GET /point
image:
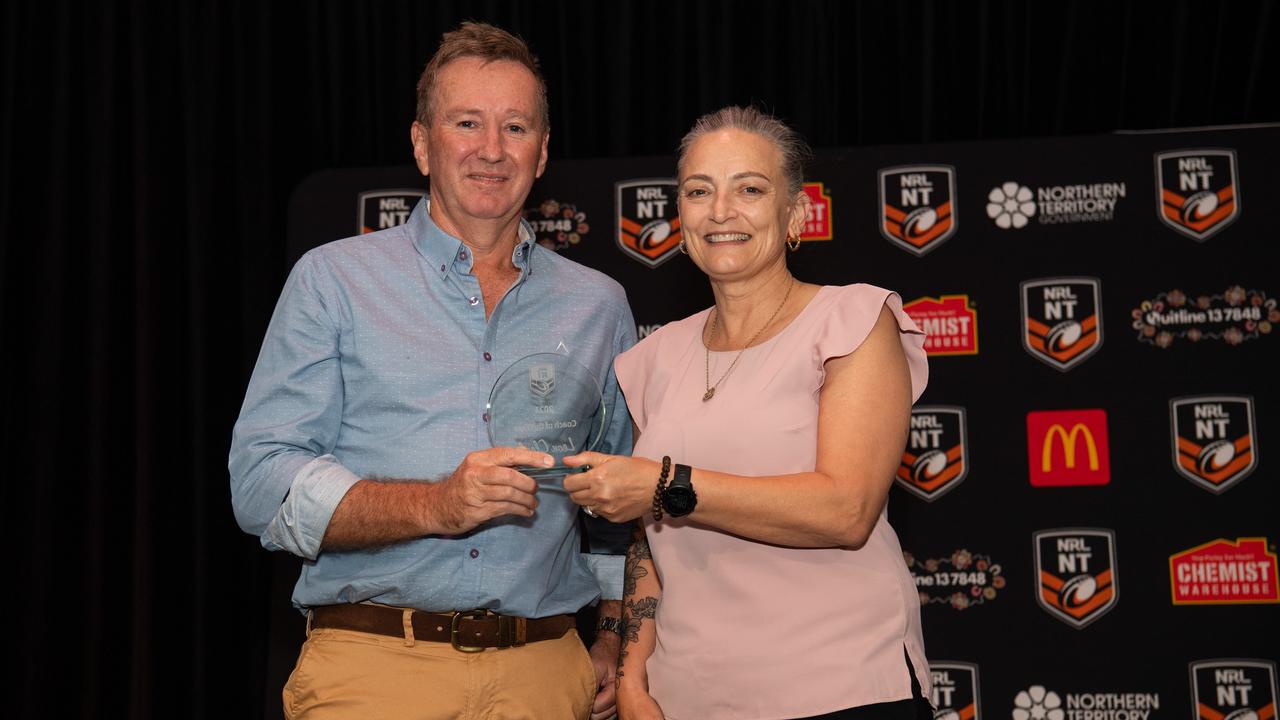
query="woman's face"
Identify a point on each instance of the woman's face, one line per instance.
(735, 209)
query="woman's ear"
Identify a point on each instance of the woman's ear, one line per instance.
(798, 214)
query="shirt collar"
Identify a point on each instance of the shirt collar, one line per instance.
(442, 250)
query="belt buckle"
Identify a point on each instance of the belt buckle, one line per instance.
(512, 631)
(453, 630)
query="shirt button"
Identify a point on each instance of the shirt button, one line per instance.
(474, 553)
(441, 268)
(485, 417)
(487, 356)
(473, 300)
(462, 255)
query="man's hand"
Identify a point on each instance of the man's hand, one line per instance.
(486, 486)
(604, 658)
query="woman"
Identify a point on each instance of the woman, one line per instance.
(780, 415)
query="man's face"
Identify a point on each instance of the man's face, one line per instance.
(485, 145)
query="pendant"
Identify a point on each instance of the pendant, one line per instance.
(711, 392)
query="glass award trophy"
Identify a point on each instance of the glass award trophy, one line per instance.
(547, 402)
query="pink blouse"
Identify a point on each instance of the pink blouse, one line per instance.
(748, 629)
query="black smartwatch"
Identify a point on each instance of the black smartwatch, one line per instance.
(679, 499)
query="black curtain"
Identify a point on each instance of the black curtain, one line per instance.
(147, 155)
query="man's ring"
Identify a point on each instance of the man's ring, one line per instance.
(589, 512)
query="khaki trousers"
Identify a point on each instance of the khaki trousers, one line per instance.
(348, 674)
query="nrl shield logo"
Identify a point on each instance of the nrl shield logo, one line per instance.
(955, 690)
(1198, 191)
(648, 222)
(918, 206)
(381, 209)
(936, 459)
(1062, 320)
(1214, 442)
(542, 381)
(1077, 571)
(1233, 689)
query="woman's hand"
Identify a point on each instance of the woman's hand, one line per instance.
(616, 488)
(635, 703)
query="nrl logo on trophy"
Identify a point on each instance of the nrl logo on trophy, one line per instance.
(542, 382)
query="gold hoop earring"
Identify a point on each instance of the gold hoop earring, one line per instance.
(793, 243)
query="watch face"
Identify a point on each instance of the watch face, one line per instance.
(679, 500)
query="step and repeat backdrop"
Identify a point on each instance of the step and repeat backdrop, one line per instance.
(1085, 500)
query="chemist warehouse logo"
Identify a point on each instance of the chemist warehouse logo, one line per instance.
(1040, 703)
(937, 456)
(1078, 575)
(917, 205)
(381, 209)
(955, 690)
(648, 222)
(1197, 191)
(1214, 443)
(1233, 689)
(1062, 320)
(1223, 572)
(949, 323)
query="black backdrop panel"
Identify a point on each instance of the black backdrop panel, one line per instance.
(1095, 623)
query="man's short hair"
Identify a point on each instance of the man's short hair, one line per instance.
(489, 43)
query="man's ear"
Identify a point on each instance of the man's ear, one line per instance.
(542, 160)
(418, 136)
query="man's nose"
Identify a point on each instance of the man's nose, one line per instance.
(491, 148)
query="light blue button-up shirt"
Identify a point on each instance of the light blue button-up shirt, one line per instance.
(378, 363)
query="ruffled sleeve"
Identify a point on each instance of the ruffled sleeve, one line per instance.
(632, 369)
(854, 313)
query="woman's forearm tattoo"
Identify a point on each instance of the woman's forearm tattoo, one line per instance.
(635, 610)
(639, 550)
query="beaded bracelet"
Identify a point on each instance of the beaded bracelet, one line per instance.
(661, 488)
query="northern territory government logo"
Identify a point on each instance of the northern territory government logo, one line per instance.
(1068, 447)
(381, 209)
(1077, 573)
(949, 322)
(955, 690)
(917, 206)
(1041, 703)
(1233, 316)
(1197, 191)
(963, 580)
(1011, 205)
(648, 221)
(557, 225)
(1062, 320)
(817, 220)
(1215, 442)
(1223, 572)
(936, 459)
(1234, 689)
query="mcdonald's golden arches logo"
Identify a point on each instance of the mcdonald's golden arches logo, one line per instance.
(1068, 447)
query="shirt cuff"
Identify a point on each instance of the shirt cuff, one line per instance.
(608, 572)
(300, 523)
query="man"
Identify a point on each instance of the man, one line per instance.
(362, 445)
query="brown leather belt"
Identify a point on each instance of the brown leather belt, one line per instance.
(467, 631)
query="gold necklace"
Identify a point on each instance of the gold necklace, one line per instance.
(711, 389)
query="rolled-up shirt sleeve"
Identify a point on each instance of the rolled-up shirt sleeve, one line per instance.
(606, 540)
(285, 483)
